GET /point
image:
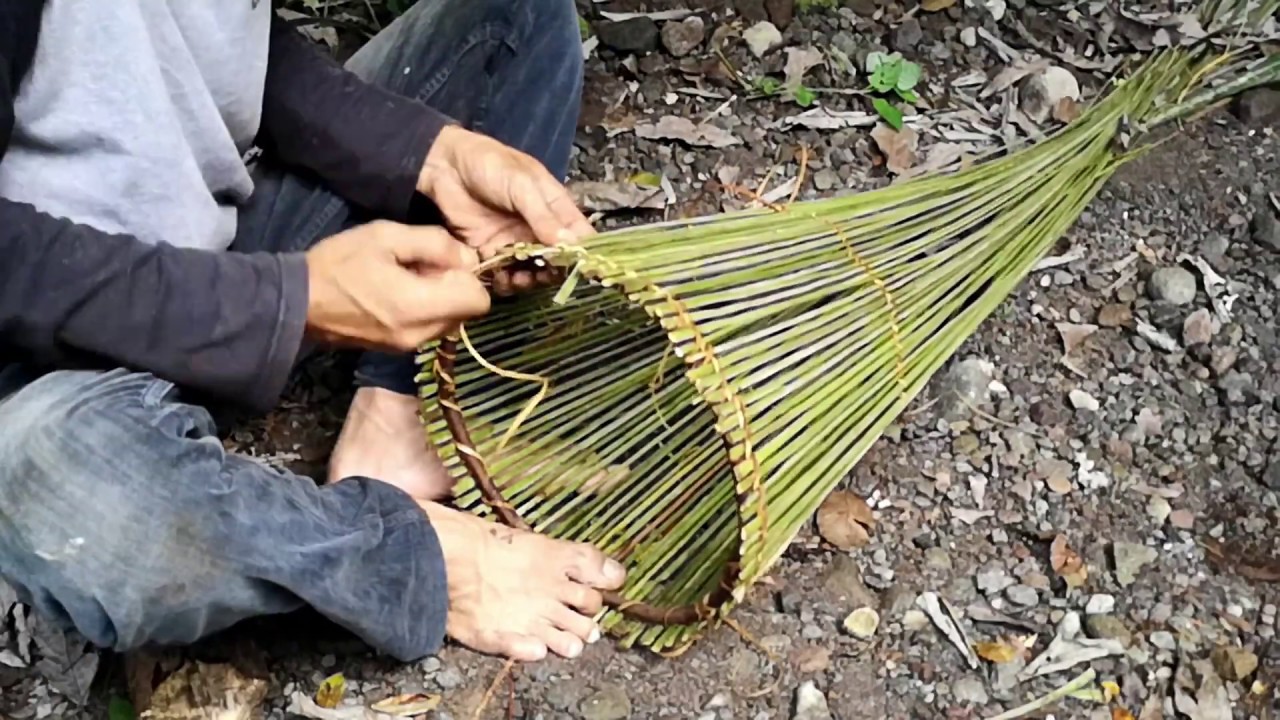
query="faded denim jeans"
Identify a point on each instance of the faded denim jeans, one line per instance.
(121, 515)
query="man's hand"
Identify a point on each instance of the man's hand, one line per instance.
(388, 286)
(492, 196)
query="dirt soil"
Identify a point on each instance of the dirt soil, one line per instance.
(1159, 468)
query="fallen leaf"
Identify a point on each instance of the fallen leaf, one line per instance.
(1067, 563)
(1067, 110)
(671, 127)
(1064, 654)
(1121, 714)
(998, 652)
(1110, 690)
(593, 196)
(820, 118)
(199, 691)
(799, 61)
(844, 520)
(948, 621)
(409, 705)
(936, 5)
(331, 691)
(1074, 335)
(969, 516)
(898, 146)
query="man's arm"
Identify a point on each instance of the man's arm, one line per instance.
(223, 323)
(365, 143)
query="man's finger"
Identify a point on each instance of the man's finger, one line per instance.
(448, 295)
(527, 197)
(429, 245)
(566, 211)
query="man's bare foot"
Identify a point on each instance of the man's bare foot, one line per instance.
(382, 438)
(519, 594)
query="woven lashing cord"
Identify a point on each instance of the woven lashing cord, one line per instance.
(701, 611)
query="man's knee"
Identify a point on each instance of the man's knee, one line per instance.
(87, 501)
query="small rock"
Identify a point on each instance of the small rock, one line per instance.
(1223, 359)
(1260, 107)
(1271, 476)
(864, 8)
(1182, 519)
(993, 579)
(966, 385)
(825, 179)
(812, 659)
(1158, 508)
(1164, 640)
(1115, 315)
(1173, 285)
(970, 689)
(937, 558)
(1046, 413)
(1232, 663)
(908, 35)
(969, 37)
(449, 678)
(1236, 387)
(1100, 604)
(1023, 595)
(844, 582)
(609, 703)
(1197, 329)
(1082, 400)
(862, 623)
(634, 35)
(1040, 93)
(811, 704)
(1266, 229)
(1107, 627)
(682, 38)
(1129, 559)
(914, 620)
(761, 38)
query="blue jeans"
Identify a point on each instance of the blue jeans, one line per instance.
(121, 515)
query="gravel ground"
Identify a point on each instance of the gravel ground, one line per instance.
(1156, 469)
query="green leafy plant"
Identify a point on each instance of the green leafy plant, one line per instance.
(120, 709)
(769, 86)
(892, 75)
(584, 27)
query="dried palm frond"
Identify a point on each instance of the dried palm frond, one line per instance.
(702, 385)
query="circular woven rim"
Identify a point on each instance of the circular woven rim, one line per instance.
(595, 269)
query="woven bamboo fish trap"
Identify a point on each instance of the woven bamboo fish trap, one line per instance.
(702, 385)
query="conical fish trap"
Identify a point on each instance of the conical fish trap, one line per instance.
(707, 383)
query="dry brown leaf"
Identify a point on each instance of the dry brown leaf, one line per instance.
(206, 692)
(898, 146)
(410, 705)
(936, 5)
(1121, 714)
(845, 520)
(1067, 563)
(998, 652)
(1067, 110)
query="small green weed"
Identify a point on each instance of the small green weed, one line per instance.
(892, 74)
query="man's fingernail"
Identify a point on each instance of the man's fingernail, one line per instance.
(614, 570)
(575, 650)
(594, 637)
(565, 235)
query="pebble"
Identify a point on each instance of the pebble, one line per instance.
(449, 678)
(1107, 627)
(1129, 559)
(908, 35)
(1159, 509)
(1197, 329)
(761, 38)
(1023, 595)
(825, 179)
(969, 37)
(915, 620)
(608, 703)
(1236, 388)
(937, 558)
(633, 35)
(811, 704)
(970, 689)
(992, 579)
(1265, 228)
(1115, 315)
(1164, 640)
(1260, 106)
(1174, 285)
(1082, 400)
(1100, 604)
(751, 10)
(683, 37)
(966, 385)
(1182, 519)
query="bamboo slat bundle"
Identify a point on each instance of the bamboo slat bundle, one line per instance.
(710, 381)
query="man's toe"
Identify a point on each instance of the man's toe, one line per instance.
(589, 566)
(562, 643)
(573, 622)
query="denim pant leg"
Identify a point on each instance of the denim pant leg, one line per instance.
(509, 68)
(121, 516)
